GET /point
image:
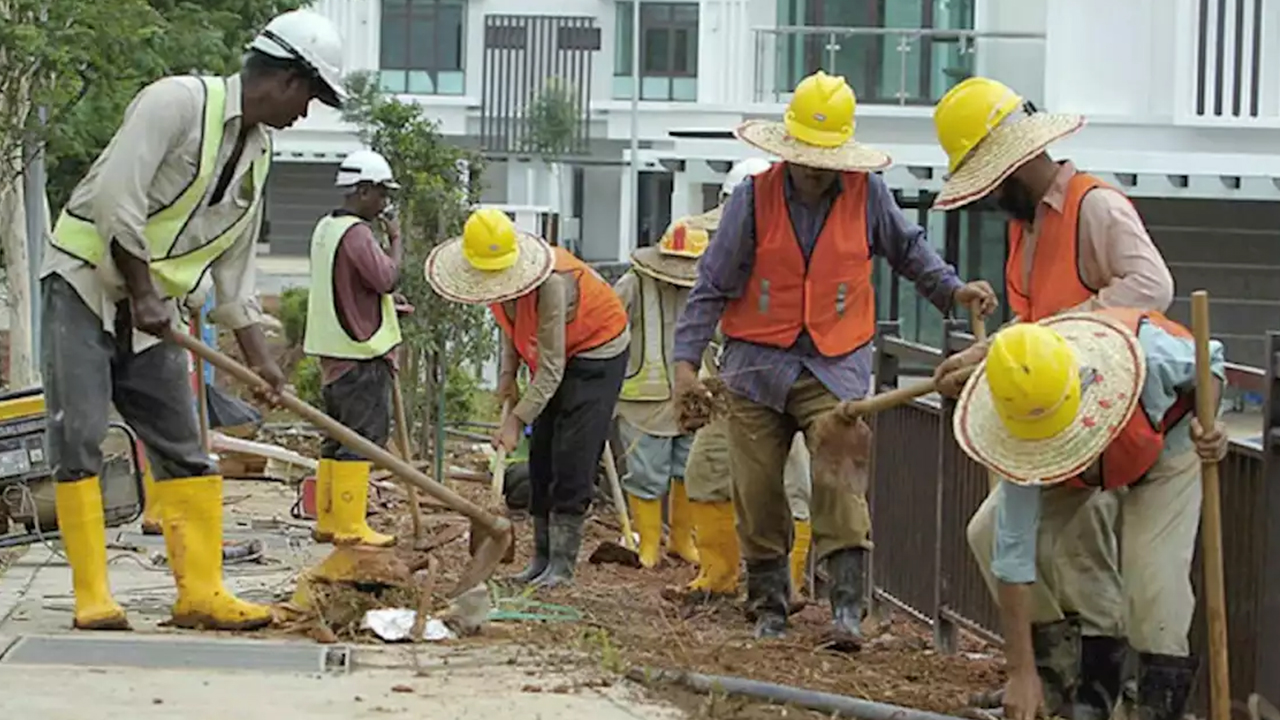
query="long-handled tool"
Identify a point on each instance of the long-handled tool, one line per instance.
(1211, 518)
(402, 439)
(496, 530)
(497, 484)
(627, 554)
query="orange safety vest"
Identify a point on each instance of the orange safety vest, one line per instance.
(598, 318)
(831, 297)
(1133, 452)
(1051, 287)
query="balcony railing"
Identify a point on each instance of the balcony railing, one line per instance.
(889, 65)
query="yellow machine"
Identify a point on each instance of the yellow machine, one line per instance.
(27, 511)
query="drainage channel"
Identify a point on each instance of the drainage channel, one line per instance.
(177, 654)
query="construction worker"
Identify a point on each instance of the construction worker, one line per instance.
(707, 476)
(564, 321)
(1082, 401)
(175, 194)
(788, 280)
(1075, 243)
(352, 326)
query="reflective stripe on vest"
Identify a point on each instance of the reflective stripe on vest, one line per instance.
(1054, 283)
(647, 379)
(600, 315)
(830, 296)
(325, 334)
(1137, 448)
(177, 275)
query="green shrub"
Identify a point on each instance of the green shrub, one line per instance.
(306, 380)
(293, 314)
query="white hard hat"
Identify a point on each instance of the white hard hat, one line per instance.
(310, 38)
(742, 170)
(365, 166)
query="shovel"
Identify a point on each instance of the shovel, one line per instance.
(495, 531)
(402, 439)
(496, 484)
(611, 552)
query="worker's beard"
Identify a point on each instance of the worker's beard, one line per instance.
(1014, 198)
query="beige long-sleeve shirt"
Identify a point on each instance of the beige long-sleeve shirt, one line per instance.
(152, 158)
(557, 307)
(653, 418)
(1116, 254)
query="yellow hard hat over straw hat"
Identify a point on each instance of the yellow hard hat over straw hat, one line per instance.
(493, 261)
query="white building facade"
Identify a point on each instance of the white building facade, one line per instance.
(1183, 99)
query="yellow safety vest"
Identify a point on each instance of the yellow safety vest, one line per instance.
(177, 275)
(325, 335)
(647, 379)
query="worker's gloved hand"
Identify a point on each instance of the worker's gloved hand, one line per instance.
(1023, 696)
(949, 377)
(1211, 446)
(978, 291)
(507, 436)
(150, 314)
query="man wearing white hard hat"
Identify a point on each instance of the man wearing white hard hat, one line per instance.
(352, 327)
(707, 474)
(566, 324)
(1076, 403)
(176, 194)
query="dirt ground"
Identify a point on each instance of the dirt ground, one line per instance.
(626, 623)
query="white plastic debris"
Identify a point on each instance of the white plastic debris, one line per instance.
(396, 625)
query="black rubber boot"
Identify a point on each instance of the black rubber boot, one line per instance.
(1056, 647)
(1102, 666)
(541, 553)
(565, 540)
(848, 570)
(768, 586)
(1162, 687)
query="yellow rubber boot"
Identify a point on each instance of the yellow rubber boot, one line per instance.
(680, 543)
(646, 516)
(323, 531)
(800, 555)
(349, 488)
(193, 537)
(84, 538)
(718, 547)
(151, 516)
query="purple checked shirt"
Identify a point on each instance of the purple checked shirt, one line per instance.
(766, 374)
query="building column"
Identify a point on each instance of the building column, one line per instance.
(626, 223)
(683, 204)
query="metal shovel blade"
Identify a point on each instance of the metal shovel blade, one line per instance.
(488, 555)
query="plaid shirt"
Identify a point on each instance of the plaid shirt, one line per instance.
(766, 374)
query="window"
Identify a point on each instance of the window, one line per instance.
(668, 51)
(888, 68)
(422, 47)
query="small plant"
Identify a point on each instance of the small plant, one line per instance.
(552, 120)
(293, 314)
(306, 381)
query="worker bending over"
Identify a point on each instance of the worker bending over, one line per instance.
(352, 326)
(175, 194)
(788, 279)
(1075, 243)
(562, 320)
(1083, 401)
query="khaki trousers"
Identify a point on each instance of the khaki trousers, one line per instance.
(760, 441)
(708, 478)
(1149, 596)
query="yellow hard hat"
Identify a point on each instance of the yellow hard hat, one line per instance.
(821, 111)
(1034, 379)
(968, 113)
(489, 240)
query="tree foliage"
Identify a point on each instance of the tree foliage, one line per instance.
(439, 182)
(87, 59)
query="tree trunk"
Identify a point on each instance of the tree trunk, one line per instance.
(22, 366)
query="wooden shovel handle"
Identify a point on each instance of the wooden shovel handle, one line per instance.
(499, 479)
(977, 321)
(379, 456)
(890, 399)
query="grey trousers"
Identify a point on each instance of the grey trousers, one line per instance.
(86, 370)
(361, 400)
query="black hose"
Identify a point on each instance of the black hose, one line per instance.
(835, 705)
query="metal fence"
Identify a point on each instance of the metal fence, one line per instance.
(925, 490)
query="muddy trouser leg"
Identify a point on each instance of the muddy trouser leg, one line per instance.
(584, 406)
(361, 400)
(1075, 566)
(707, 476)
(758, 440)
(1161, 520)
(153, 394)
(649, 469)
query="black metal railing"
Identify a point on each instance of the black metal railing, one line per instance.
(925, 490)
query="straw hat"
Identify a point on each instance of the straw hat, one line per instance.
(492, 262)
(1112, 369)
(675, 258)
(817, 129)
(988, 131)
